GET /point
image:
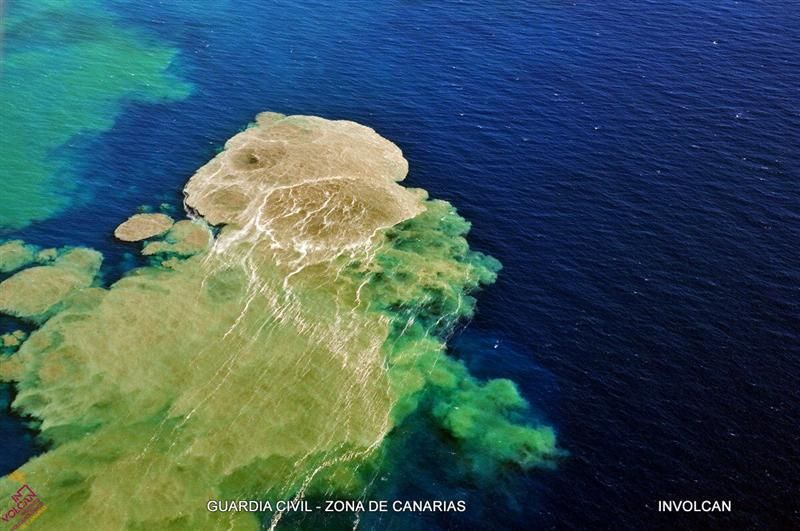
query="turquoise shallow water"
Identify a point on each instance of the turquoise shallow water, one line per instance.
(633, 167)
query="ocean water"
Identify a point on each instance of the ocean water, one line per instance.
(633, 166)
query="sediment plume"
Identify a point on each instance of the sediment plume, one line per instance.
(143, 226)
(269, 361)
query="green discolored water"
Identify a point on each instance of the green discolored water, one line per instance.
(67, 68)
(268, 362)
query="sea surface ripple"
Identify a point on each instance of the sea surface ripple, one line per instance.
(635, 168)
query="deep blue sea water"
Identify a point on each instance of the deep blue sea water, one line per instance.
(634, 166)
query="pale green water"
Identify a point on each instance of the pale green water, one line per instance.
(269, 363)
(67, 68)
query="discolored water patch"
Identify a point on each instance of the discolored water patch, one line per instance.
(68, 68)
(270, 361)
